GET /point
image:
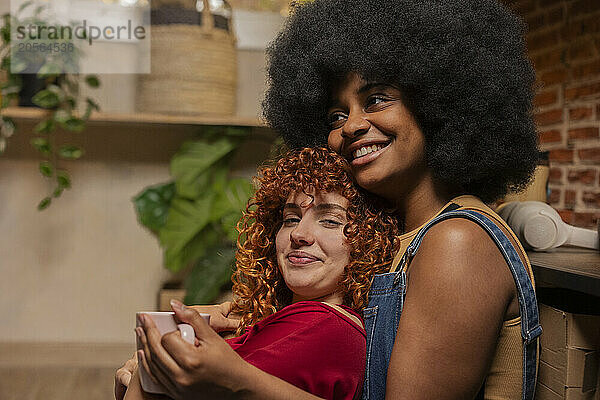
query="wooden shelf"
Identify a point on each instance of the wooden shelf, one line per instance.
(569, 268)
(34, 114)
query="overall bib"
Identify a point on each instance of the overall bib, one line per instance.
(386, 300)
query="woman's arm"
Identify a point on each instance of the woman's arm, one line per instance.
(135, 391)
(211, 368)
(221, 320)
(459, 288)
(123, 377)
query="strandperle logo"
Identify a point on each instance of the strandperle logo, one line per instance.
(75, 36)
(81, 31)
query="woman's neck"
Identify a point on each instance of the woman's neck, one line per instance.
(333, 298)
(420, 204)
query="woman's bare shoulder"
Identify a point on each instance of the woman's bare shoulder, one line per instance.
(458, 249)
(457, 294)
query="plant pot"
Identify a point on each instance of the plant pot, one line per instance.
(170, 291)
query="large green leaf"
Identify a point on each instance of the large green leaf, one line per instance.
(191, 165)
(152, 205)
(186, 218)
(195, 249)
(209, 274)
(230, 203)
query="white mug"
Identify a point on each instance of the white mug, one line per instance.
(165, 323)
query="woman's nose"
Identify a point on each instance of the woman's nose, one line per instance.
(302, 235)
(355, 125)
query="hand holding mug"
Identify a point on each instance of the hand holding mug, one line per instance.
(221, 318)
(164, 323)
(186, 370)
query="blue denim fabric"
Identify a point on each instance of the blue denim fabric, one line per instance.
(386, 300)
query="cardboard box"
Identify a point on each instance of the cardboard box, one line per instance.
(544, 393)
(570, 355)
(580, 371)
(568, 330)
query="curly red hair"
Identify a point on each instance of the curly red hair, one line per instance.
(371, 232)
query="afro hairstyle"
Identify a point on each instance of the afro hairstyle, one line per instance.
(461, 66)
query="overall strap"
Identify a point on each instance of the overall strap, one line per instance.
(345, 313)
(530, 325)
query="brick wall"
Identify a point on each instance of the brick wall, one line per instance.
(564, 45)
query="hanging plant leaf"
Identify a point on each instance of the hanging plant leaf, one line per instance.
(46, 126)
(70, 100)
(17, 66)
(61, 116)
(46, 168)
(63, 179)
(44, 203)
(152, 205)
(46, 99)
(70, 152)
(5, 63)
(5, 30)
(74, 124)
(92, 81)
(39, 9)
(8, 127)
(24, 5)
(57, 192)
(90, 105)
(49, 70)
(42, 145)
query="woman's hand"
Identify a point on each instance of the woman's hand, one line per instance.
(210, 369)
(185, 370)
(221, 318)
(123, 377)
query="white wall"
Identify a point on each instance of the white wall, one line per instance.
(79, 270)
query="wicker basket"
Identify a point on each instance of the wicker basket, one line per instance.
(193, 69)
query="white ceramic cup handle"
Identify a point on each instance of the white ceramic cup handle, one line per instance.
(187, 333)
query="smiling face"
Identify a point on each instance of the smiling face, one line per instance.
(371, 127)
(311, 247)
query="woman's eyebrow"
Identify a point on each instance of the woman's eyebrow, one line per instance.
(372, 85)
(329, 207)
(319, 207)
(291, 205)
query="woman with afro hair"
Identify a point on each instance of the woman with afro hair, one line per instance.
(310, 242)
(430, 101)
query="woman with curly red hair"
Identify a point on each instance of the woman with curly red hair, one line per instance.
(310, 243)
(258, 285)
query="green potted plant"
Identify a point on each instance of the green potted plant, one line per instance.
(34, 79)
(195, 215)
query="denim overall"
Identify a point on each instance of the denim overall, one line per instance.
(386, 300)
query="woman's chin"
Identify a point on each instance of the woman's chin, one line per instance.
(369, 181)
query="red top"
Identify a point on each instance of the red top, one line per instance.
(309, 345)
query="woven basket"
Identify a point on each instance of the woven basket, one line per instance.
(193, 69)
